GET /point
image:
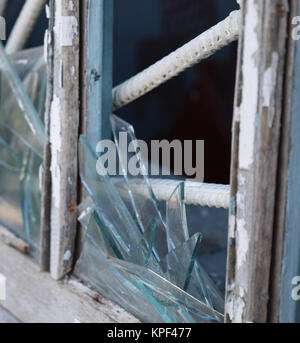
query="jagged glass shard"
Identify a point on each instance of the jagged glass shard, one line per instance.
(179, 263)
(19, 188)
(10, 187)
(197, 282)
(111, 215)
(27, 61)
(21, 147)
(195, 310)
(142, 203)
(17, 110)
(127, 226)
(210, 291)
(115, 219)
(94, 268)
(35, 83)
(177, 229)
(143, 254)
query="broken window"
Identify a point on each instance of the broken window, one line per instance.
(22, 98)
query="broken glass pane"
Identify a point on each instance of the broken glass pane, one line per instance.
(94, 268)
(21, 143)
(116, 220)
(17, 110)
(144, 206)
(127, 226)
(171, 294)
(173, 228)
(148, 303)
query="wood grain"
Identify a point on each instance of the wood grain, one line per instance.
(64, 126)
(34, 297)
(257, 119)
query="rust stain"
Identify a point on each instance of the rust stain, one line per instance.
(280, 10)
(25, 249)
(97, 298)
(72, 208)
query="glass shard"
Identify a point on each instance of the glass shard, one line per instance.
(152, 253)
(174, 295)
(94, 268)
(143, 205)
(116, 220)
(21, 145)
(17, 110)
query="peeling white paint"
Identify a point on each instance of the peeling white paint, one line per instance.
(67, 255)
(240, 307)
(249, 101)
(65, 27)
(269, 84)
(61, 74)
(55, 170)
(73, 70)
(56, 144)
(71, 5)
(58, 14)
(55, 127)
(69, 29)
(242, 237)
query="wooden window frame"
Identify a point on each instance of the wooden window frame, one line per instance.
(263, 234)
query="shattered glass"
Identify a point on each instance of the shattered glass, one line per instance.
(134, 253)
(22, 97)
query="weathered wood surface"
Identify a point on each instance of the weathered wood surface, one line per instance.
(277, 277)
(288, 238)
(34, 297)
(10, 239)
(256, 134)
(45, 232)
(98, 70)
(64, 126)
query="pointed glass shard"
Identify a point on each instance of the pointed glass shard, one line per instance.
(94, 268)
(197, 281)
(183, 303)
(132, 231)
(142, 202)
(19, 189)
(17, 111)
(177, 229)
(113, 214)
(21, 149)
(179, 263)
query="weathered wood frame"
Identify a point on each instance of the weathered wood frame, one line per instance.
(49, 301)
(79, 101)
(263, 244)
(286, 250)
(64, 128)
